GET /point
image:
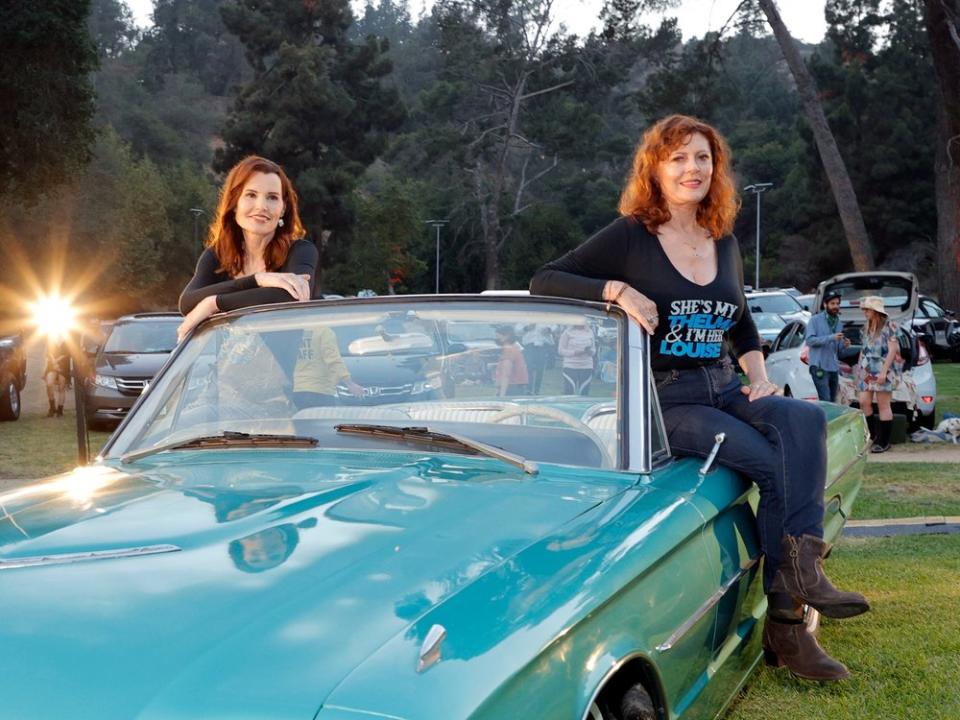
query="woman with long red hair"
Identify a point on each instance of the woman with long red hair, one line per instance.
(256, 252)
(672, 254)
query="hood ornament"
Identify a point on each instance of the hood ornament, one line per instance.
(430, 649)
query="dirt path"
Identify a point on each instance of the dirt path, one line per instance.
(919, 453)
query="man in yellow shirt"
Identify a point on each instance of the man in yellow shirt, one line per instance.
(320, 369)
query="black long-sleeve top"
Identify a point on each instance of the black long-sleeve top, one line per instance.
(233, 293)
(695, 320)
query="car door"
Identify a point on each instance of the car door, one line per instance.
(937, 321)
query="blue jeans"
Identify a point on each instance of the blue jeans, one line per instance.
(827, 383)
(778, 443)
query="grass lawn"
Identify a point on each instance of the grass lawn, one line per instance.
(903, 653)
(910, 489)
(948, 388)
(36, 446)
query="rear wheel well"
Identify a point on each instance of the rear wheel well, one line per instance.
(637, 671)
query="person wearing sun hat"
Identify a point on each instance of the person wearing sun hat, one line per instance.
(877, 370)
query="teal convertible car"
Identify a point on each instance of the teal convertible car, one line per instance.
(250, 545)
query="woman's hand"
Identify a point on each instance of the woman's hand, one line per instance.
(881, 377)
(204, 309)
(754, 365)
(297, 285)
(638, 306)
(759, 389)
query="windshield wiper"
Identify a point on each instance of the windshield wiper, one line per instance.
(426, 435)
(227, 438)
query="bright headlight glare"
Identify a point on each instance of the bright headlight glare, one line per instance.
(105, 381)
(53, 316)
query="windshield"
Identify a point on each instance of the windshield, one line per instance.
(143, 336)
(779, 303)
(538, 380)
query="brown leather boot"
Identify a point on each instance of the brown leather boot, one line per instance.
(788, 644)
(801, 574)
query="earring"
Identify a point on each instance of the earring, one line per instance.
(280, 223)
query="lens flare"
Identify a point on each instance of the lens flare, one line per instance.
(54, 316)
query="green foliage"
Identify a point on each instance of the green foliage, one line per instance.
(189, 38)
(46, 95)
(380, 256)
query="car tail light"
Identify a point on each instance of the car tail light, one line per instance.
(927, 398)
(923, 357)
(805, 355)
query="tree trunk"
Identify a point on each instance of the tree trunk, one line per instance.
(943, 29)
(833, 165)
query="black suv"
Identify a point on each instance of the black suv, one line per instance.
(136, 348)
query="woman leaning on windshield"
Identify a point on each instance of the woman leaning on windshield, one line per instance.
(671, 255)
(255, 250)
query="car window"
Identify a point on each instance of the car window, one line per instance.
(931, 309)
(791, 336)
(536, 380)
(142, 336)
(779, 303)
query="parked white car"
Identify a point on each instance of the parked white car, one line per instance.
(917, 393)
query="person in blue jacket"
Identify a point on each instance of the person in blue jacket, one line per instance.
(825, 339)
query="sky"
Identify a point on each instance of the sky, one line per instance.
(804, 18)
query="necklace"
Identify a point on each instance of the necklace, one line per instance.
(693, 249)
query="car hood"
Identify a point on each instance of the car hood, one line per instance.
(853, 286)
(274, 573)
(131, 364)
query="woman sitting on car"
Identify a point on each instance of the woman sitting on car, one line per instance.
(877, 371)
(671, 255)
(255, 251)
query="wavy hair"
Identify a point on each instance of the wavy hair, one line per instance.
(642, 197)
(225, 237)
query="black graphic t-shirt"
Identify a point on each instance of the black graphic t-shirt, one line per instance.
(695, 320)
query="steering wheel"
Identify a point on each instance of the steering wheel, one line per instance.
(607, 460)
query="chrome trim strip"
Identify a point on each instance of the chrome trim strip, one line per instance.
(705, 608)
(848, 467)
(65, 558)
(638, 399)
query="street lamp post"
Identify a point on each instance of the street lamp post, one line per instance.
(437, 224)
(197, 212)
(757, 189)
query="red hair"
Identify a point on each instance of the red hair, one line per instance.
(226, 237)
(642, 197)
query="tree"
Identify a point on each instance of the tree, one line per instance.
(380, 256)
(943, 29)
(111, 28)
(46, 94)
(189, 38)
(833, 164)
(316, 103)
